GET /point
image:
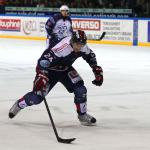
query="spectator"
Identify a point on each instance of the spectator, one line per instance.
(101, 4)
(41, 4)
(2, 6)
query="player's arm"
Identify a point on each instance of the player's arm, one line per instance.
(90, 57)
(49, 26)
(71, 29)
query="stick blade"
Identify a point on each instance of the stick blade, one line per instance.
(67, 141)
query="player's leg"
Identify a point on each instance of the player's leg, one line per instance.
(74, 83)
(41, 84)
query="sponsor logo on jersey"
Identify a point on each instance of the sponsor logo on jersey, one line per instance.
(149, 31)
(10, 25)
(86, 24)
(61, 48)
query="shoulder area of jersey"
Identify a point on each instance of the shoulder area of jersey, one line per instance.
(63, 44)
(57, 16)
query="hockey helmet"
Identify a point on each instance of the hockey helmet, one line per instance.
(79, 36)
(64, 7)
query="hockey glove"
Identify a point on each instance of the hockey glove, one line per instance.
(98, 72)
(40, 81)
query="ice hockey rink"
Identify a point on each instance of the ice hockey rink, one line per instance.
(121, 106)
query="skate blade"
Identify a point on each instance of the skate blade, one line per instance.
(88, 124)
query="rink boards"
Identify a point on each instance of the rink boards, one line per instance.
(118, 31)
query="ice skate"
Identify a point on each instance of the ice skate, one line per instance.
(87, 120)
(14, 110)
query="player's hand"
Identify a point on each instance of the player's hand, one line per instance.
(98, 72)
(40, 82)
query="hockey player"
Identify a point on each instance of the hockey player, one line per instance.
(59, 26)
(55, 65)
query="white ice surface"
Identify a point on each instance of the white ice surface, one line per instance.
(121, 105)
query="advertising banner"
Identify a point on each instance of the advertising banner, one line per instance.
(149, 31)
(33, 27)
(24, 27)
(40, 11)
(85, 24)
(118, 31)
(10, 25)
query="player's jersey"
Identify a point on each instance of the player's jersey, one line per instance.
(61, 56)
(58, 27)
(63, 48)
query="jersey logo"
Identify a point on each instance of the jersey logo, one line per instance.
(61, 48)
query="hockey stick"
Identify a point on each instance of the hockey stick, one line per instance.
(59, 139)
(101, 37)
